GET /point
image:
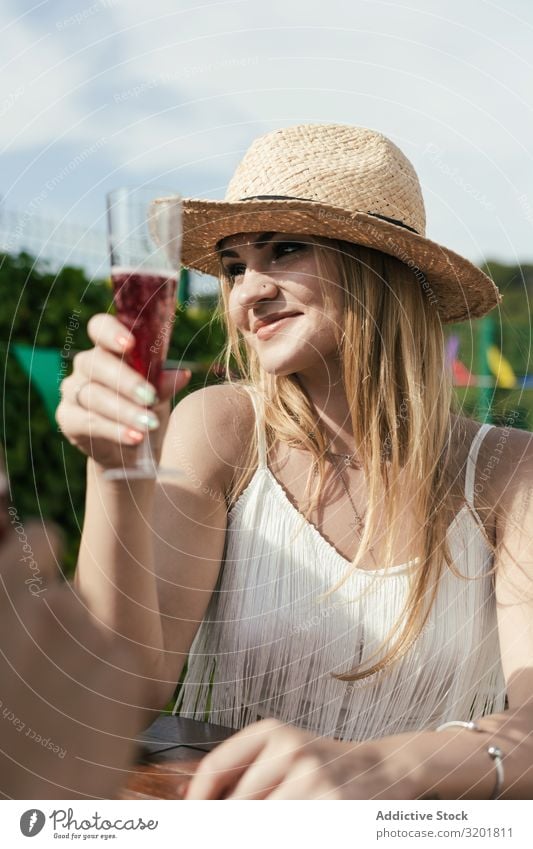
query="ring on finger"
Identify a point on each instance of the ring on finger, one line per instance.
(78, 391)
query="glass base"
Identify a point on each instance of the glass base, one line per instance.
(144, 468)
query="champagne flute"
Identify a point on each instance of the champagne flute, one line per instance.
(145, 247)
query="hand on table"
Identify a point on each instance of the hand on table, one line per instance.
(271, 760)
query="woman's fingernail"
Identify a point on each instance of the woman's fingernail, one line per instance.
(145, 393)
(123, 341)
(134, 435)
(148, 420)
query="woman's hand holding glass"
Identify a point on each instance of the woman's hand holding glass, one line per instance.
(107, 408)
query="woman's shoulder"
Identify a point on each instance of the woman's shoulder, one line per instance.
(504, 461)
(215, 422)
(507, 457)
(233, 396)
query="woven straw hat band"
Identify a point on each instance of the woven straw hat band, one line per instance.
(352, 168)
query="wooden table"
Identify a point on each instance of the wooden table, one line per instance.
(170, 751)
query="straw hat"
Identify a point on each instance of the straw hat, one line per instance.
(342, 182)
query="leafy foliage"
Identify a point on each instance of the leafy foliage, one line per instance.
(47, 475)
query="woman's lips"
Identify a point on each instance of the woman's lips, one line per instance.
(268, 330)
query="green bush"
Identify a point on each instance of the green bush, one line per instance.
(47, 475)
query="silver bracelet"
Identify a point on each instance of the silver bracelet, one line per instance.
(494, 752)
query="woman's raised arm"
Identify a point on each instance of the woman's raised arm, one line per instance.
(116, 566)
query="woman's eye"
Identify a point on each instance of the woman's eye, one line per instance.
(234, 271)
(286, 248)
(279, 250)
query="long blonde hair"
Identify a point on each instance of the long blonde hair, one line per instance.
(400, 396)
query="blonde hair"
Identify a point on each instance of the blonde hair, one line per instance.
(400, 396)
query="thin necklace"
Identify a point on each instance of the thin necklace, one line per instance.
(359, 521)
(347, 459)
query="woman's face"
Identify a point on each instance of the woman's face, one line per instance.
(275, 300)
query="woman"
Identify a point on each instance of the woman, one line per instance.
(363, 555)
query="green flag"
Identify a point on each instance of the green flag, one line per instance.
(46, 369)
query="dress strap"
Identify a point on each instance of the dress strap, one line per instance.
(471, 463)
(257, 401)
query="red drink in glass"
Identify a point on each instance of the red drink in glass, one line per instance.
(145, 248)
(146, 304)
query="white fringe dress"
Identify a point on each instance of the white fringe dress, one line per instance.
(268, 644)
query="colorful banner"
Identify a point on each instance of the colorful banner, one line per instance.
(45, 369)
(500, 368)
(462, 376)
(452, 349)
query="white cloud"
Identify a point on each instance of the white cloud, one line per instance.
(179, 90)
(40, 102)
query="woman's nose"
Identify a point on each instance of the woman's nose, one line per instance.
(256, 286)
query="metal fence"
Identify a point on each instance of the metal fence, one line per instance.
(53, 241)
(58, 243)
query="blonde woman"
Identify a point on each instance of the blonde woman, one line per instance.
(346, 562)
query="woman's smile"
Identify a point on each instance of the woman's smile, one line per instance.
(267, 327)
(275, 296)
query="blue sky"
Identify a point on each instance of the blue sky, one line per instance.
(103, 93)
